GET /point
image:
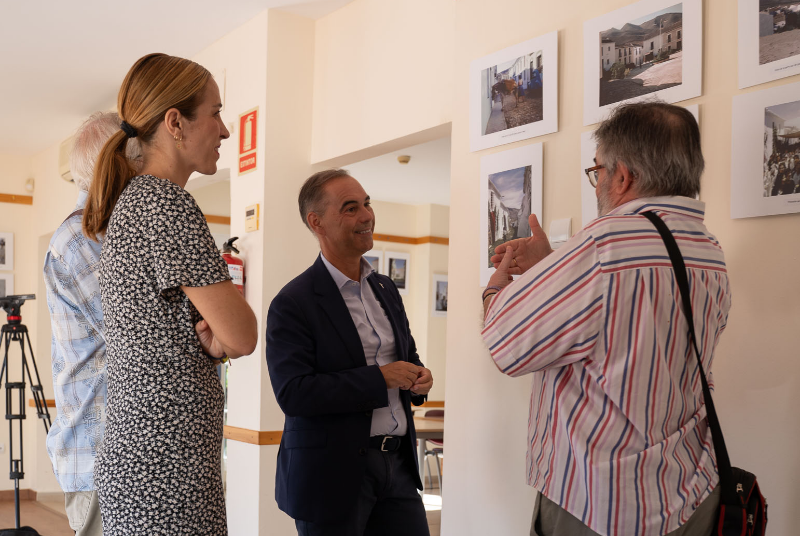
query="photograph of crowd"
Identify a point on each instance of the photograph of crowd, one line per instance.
(782, 149)
(778, 30)
(643, 56)
(509, 207)
(514, 93)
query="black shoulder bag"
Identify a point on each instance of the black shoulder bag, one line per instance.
(742, 508)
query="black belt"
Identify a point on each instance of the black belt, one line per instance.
(385, 443)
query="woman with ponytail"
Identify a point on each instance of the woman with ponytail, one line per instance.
(171, 311)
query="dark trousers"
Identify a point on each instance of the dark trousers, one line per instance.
(388, 504)
(550, 519)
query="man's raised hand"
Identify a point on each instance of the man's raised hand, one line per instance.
(526, 251)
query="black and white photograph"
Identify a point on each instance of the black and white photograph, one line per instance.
(778, 30)
(397, 268)
(375, 259)
(642, 56)
(782, 149)
(511, 190)
(651, 49)
(439, 295)
(6, 285)
(769, 40)
(514, 93)
(7, 251)
(765, 156)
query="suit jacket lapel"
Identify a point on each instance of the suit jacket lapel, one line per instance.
(330, 300)
(382, 293)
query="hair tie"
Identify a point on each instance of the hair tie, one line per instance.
(128, 129)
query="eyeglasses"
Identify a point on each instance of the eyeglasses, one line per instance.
(591, 173)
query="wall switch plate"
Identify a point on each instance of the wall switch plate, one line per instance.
(560, 232)
(251, 218)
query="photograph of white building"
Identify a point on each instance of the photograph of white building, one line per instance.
(782, 149)
(642, 56)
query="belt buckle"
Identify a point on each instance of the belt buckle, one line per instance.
(383, 443)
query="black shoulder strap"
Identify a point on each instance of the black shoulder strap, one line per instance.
(728, 493)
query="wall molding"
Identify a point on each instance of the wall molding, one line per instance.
(18, 199)
(224, 220)
(253, 437)
(51, 403)
(411, 240)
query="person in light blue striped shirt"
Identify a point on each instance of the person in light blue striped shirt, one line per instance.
(71, 275)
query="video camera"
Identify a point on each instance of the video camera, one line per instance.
(12, 305)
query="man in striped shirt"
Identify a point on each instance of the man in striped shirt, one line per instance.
(618, 438)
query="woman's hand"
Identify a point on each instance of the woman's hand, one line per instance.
(208, 341)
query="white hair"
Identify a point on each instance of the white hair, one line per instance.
(89, 140)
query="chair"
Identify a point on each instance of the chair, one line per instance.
(437, 451)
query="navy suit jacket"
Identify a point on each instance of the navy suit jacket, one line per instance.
(322, 383)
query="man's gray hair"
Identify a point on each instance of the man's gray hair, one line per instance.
(89, 140)
(312, 193)
(659, 143)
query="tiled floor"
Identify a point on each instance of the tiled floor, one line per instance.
(50, 518)
(40, 516)
(433, 508)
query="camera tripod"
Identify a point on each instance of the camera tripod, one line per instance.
(16, 331)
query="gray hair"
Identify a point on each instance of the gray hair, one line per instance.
(659, 143)
(312, 192)
(89, 141)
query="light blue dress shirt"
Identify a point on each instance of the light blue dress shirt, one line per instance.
(377, 339)
(78, 353)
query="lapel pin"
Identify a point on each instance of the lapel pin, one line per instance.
(381, 284)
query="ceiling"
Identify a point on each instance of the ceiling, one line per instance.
(425, 179)
(63, 60)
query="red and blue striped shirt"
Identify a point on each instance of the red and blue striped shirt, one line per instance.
(617, 431)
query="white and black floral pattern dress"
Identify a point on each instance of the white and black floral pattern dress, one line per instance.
(158, 471)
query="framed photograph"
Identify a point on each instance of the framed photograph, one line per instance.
(6, 285)
(765, 166)
(652, 48)
(588, 150)
(513, 93)
(769, 40)
(6, 251)
(511, 190)
(439, 295)
(375, 258)
(397, 268)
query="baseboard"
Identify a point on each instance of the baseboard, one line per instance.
(49, 496)
(24, 495)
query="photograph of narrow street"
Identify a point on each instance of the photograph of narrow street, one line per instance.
(515, 93)
(643, 56)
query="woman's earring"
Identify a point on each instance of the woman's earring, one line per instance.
(178, 140)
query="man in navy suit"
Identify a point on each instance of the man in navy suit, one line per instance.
(345, 371)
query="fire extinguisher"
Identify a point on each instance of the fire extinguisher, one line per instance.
(235, 263)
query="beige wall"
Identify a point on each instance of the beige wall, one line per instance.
(756, 369)
(374, 62)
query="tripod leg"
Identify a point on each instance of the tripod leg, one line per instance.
(36, 386)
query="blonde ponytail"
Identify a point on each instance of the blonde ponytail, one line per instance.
(155, 84)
